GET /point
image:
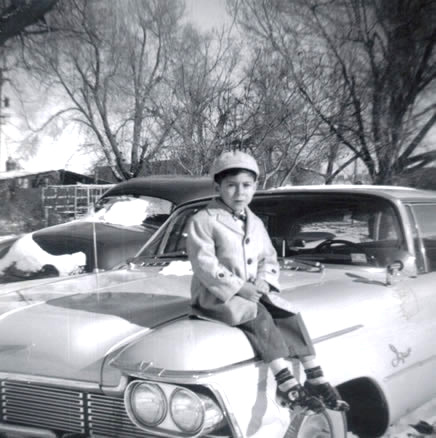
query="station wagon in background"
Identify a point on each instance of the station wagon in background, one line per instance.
(119, 354)
(122, 220)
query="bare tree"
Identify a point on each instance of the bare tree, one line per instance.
(367, 69)
(203, 83)
(224, 99)
(109, 61)
(277, 125)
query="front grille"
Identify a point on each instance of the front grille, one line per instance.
(48, 407)
(41, 406)
(108, 418)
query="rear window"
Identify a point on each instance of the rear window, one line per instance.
(131, 210)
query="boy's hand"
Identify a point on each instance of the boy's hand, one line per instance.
(249, 292)
(262, 286)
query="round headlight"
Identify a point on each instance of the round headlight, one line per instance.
(187, 410)
(147, 403)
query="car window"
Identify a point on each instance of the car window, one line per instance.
(176, 241)
(330, 229)
(129, 210)
(425, 218)
(335, 229)
(171, 239)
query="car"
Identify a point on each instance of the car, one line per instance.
(120, 354)
(122, 220)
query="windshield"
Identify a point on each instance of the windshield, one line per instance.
(131, 211)
(329, 228)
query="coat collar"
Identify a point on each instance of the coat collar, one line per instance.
(225, 215)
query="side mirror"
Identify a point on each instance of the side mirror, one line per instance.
(406, 267)
(393, 272)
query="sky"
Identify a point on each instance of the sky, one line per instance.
(207, 13)
(62, 153)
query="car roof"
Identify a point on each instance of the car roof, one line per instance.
(392, 193)
(174, 188)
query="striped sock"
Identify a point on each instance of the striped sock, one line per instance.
(315, 375)
(285, 380)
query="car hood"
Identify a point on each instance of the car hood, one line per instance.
(72, 328)
(66, 328)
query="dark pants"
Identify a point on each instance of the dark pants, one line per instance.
(276, 333)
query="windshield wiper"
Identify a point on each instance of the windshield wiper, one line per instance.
(302, 265)
(145, 260)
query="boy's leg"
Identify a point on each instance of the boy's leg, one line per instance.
(268, 342)
(289, 389)
(317, 385)
(301, 346)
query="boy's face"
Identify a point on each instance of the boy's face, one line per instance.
(237, 191)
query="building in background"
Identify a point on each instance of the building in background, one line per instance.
(31, 200)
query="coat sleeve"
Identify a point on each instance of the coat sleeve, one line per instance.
(214, 276)
(268, 266)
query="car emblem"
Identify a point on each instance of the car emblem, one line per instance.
(399, 356)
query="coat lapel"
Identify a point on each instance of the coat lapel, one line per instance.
(229, 221)
(224, 216)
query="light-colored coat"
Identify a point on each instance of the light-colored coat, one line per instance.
(223, 258)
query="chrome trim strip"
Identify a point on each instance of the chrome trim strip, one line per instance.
(338, 333)
(228, 415)
(408, 368)
(418, 235)
(70, 384)
(129, 338)
(145, 370)
(53, 381)
(116, 390)
(25, 431)
(20, 309)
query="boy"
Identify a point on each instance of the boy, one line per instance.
(235, 267)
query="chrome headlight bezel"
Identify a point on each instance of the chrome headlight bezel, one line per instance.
(212, 413)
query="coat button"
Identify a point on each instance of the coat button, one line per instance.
(249, 261)
(273, 271)
(220, 275)
(247, 240)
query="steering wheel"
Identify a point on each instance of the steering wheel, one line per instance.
(327, 244)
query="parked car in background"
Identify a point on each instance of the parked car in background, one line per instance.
(122, 220)
(119, 354)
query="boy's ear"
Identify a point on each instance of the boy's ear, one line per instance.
(217, 187)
